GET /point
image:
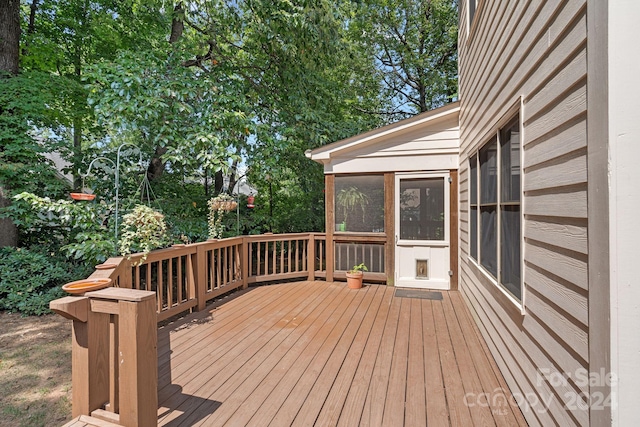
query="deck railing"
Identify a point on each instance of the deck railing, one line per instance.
(186, 277)
(173, 281)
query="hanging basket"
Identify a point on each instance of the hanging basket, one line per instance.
(225, 205)
(82, 196)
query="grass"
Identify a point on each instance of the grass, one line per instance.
(35, 371)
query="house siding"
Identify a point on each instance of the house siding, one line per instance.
(533, 53)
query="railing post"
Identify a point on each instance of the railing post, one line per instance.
(311, 257)
(90, 356)
(198, 273)
(136, 396)
(138, 362)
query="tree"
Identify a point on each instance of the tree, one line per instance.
(9, 36)
(414, 43)
(9, 61)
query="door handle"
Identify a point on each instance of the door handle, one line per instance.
(396, 239)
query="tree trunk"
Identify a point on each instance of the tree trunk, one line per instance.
(8, 230)
(31, 28)
(9, 63)
(177, 23)
(218, 182)
(156, 166)
(77, 154)
(9, 35)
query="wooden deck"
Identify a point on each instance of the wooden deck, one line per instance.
(318, 353)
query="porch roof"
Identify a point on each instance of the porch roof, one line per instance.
(431, 132)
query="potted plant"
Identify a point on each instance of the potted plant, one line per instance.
(144, 230)
(218, 206)
(354, 276)
(349, 199)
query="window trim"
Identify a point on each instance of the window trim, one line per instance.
(472, 21)
(507, 118)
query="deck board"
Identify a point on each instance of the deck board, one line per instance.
(318, 353)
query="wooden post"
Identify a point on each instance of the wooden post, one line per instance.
(389, 227)
(311, 257)
(138, 361)
(330, 224)
(137, 357)
(90, 364)
(90, 354)
(453, 228)
(198, 276)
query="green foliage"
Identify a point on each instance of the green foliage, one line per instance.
(143, 230)
(29, 280)
(144, 96)
(414, 43)
(76, 229)
(358, 267)
(351, 198)
(34, 106)
(184, 205)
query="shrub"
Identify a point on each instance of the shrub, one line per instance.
(29, 280)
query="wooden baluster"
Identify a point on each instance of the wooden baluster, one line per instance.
(219, 273)
(136, 284)
(171, 283)
(273, 257)
(147, 281)
(225, 266)
(211, 275)
(303, 260)
(249, 244)
(245, 262)
(311, 256)
(159, 287)
(238, 264)
(282, 255)
(259, 259)
(197, 276)
(180, 280)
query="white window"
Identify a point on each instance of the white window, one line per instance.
(494, 207)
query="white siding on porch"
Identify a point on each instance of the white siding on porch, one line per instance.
(428, 141)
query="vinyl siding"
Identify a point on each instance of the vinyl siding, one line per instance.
(533, 51)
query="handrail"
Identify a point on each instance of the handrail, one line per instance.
(112, 324)
(187, 277)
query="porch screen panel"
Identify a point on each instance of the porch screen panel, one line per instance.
(422, 209)
(349, 254)
(359, 203)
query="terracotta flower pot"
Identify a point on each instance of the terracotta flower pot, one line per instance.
(354, 280)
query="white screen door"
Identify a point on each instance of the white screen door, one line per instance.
(422, 230)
